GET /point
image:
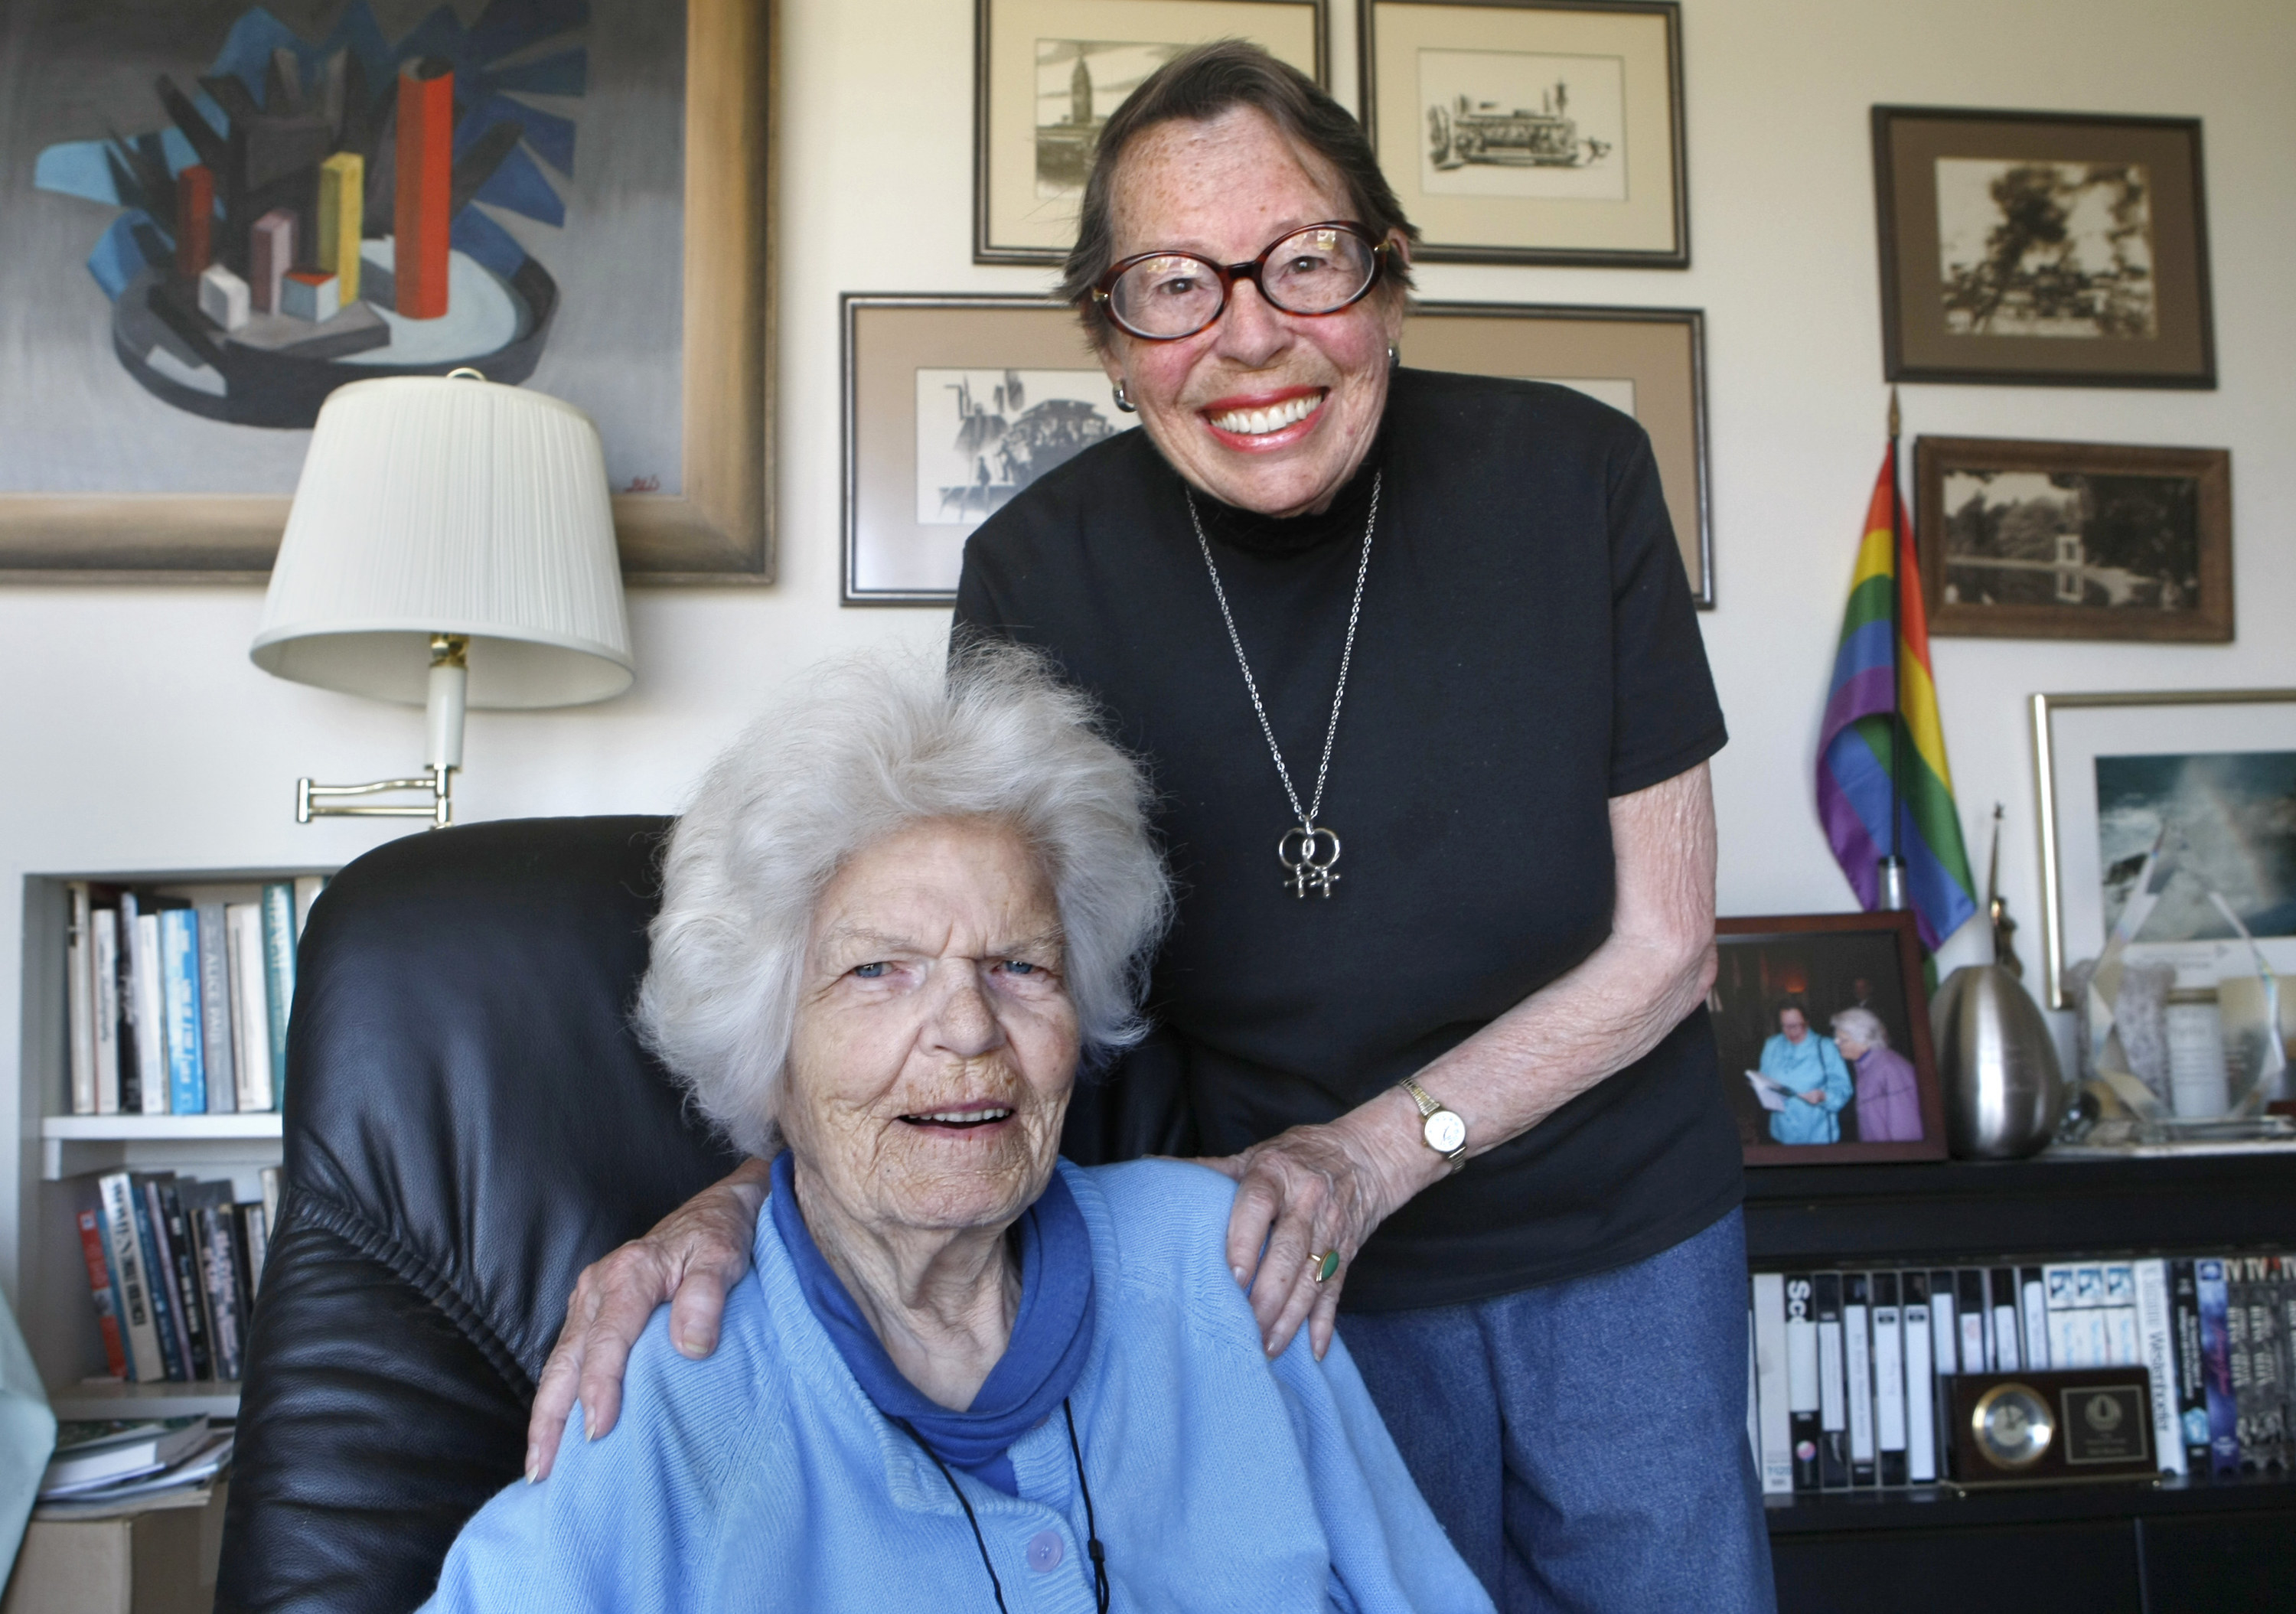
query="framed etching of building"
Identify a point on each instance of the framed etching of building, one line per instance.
(217, 212)
(1648, 362)
(953, 405)
(2074, 540)
(2057, 249)
(1048, 72)
(1532, 131)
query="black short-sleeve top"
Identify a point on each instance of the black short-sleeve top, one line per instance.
(1526, 649)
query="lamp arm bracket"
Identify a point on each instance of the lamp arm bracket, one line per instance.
(315, 801)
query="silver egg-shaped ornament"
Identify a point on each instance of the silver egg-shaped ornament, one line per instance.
(2004, 1091)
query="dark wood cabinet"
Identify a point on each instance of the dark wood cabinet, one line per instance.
(2165, 1547)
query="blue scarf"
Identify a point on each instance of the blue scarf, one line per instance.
(1051, 1334)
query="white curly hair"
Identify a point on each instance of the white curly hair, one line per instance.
(865, 747)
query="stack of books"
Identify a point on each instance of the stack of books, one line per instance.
(102, 1469)
(174, 1266)
(1849, 1371)
(178, 1007)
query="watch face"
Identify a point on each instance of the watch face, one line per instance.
(1445, 1132)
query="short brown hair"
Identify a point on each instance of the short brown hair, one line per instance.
(1197, 87)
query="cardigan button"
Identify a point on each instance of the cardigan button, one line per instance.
(1046, 1550)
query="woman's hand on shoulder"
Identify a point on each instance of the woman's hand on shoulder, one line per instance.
(691, 1258)
(1303, 1194)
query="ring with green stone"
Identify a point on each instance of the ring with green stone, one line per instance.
(1327, 1264)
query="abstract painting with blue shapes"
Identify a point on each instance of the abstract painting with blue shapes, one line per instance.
(314, 210)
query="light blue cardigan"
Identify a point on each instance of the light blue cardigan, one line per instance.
(762, 1477)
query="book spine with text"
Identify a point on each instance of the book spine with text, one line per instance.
(1968, 1284)
(1889, 1379)
(255, 1243)
(151, 1017)
(160, 1271)
(1773, 1424)
(179, 985)
(190, 1296)
(103, 961)
(251, 1014)
(1802, 1427)
(279, 976)
(102, 1291)
(131, 1010)
(1921, 1381)
(215, 1011)
(79, 993)
(208, 1204)
(2002, 1329)
(2158, 1329)
(1857, 1374)
(124, 1244)
(1832, 1389)
(2192, 1372)
(1945, 1324)
(2033, 1314)
(2215, 1368)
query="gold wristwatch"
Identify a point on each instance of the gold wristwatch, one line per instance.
(1439, 1129)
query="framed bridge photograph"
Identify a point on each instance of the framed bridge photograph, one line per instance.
(2074, 540)
(1532, 131)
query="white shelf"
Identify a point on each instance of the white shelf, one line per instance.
(96, 1399)
(145, 1128)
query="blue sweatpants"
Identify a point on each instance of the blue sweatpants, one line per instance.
(1585, 1442)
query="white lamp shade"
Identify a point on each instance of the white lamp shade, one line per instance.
(450, 505)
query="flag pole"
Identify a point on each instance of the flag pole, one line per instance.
(1890, 872)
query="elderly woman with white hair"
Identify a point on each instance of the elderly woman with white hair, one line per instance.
(1889, 1102)
(966, 1374)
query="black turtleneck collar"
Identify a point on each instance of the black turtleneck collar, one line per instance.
(1342, 517)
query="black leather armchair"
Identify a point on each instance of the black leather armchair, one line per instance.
(470, 1121)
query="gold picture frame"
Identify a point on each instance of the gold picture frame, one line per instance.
(1649, 362)
(717, 528)
(1033, 134)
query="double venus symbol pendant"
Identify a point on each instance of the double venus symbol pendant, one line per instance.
(1307, 852)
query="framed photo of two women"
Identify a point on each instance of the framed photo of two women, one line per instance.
(1822, 1029)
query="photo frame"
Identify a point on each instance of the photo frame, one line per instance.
(693, 501)
(2024, 540)
(1649, 362)
(1532, 131)
(2115, 293)
(2214, 768)
(1857, 974)
(1046, 73)
(953, 404)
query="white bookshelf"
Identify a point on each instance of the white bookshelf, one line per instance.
(59, 1153)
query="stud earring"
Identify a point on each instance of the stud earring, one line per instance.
(1122, 401)
(1393, 357)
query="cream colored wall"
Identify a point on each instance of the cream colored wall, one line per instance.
(137, 736)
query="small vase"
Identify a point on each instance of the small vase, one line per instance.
(2005, 1093)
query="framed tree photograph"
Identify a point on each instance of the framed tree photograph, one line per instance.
(2174, 811)
(2023, 540)
(1046, 75)
(1823, 1031)
(2055, 249)
(1648, 362)
(218, 212)
(953, 405)
(1532, 131)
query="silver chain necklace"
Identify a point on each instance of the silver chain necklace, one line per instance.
(1308, 850)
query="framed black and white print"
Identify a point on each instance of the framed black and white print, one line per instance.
(953, 405)
(1046, 75)
(2074, 540)
(1648, 362)
(1532, 131)
(2053, 249)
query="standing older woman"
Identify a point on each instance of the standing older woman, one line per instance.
(1415, 664)
(891, 922)
(1889, 1099)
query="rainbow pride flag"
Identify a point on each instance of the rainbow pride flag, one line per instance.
(1854, 743)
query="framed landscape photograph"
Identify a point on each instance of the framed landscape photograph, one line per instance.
(952, 405)
(1648, 362)
(173, 178)
(1823, 1031)
(1046, 75)
(1532, 131)
(2025, 540)
(2177, 800)
(2056, 248)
